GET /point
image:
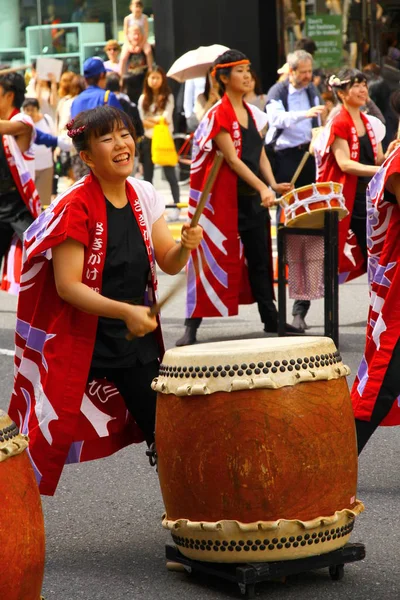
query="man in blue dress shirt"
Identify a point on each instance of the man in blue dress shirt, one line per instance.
(95, 94)
(294, 108)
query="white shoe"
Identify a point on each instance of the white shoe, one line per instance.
(173, 215)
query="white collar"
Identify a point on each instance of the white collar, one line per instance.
(293, 90)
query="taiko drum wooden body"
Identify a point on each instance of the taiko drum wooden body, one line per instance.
(22, 526)
(256, 448)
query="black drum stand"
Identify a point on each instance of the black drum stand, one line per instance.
(247, 575)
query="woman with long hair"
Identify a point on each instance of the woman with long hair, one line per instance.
(90, 264)
(155, 103)
(236, 219)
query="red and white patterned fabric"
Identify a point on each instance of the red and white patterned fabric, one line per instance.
(383, 329)
(67, 419)
(217, 274)
(22, 167)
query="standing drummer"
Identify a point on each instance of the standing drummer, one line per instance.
(293, 109)
(236, 219)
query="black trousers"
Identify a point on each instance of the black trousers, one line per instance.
(256, 243)
(286, 163)
(134, 385)
(388, 393)
(148, 169)
(18, 225)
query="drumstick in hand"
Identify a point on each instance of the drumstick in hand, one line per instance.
(296, 173)
(217, 163)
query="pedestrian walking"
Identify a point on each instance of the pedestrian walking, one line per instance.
(90, 278)
(236, 219)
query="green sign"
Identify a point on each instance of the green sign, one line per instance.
(326, 31)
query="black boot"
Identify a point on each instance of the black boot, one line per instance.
(189, 337)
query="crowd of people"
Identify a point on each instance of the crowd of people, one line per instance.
(103, 234)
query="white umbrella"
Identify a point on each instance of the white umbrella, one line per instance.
(195, 63)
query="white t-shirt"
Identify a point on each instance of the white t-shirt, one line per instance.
(44, 155)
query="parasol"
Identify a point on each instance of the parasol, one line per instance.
(195, 63)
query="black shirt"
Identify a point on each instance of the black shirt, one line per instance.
(366, 158)
(250, 212)
(125, 276)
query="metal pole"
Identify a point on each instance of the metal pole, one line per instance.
(39, 19)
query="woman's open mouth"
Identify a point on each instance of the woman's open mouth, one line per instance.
(122, 158)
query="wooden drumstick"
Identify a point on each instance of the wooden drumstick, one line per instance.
(217, 163)
(14, 69)
(296, 174)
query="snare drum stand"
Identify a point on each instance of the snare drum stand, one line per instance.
(331, 283)
(247, 575)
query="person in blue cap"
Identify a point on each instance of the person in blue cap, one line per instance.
(95, 94)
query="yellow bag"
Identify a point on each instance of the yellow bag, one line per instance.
(163, 150)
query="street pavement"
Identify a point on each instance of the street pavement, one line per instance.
(104, 535)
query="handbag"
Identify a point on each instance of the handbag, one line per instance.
(163, 150)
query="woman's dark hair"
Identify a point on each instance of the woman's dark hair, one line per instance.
(30, 102)
(229, 56)
(345, 80)
(163, 92)
(97, 122)
(257, 88)
(78, 84)
(113, 82)
(395, 102)
(14, 82)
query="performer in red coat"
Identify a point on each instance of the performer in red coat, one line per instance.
(349, 152)
(236, 219)
(87, 280)
(377, 385)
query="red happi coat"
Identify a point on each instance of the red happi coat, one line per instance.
(217, 274)
(351, 261)
(383, 329)
(66, 418)
(21, 167)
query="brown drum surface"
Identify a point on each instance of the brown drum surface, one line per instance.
(258, 455)
(270, 470)
(22, 525)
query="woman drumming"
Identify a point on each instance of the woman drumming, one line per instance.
(217, 277)
(87, 281)
(155, 103)
(349, 152)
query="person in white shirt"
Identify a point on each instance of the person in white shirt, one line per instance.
(44, 164)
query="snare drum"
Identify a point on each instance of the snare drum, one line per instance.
(256, 445)
(22, 526)
(306, 206)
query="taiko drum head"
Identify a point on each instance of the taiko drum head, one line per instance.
(306, 206)
(256, 447)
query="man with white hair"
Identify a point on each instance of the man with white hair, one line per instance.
(294, 108)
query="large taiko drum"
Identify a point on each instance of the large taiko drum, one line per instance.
(256, 447)
(22, 526)
(306, 206)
